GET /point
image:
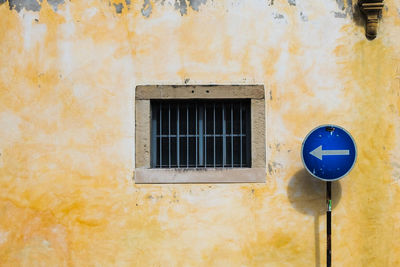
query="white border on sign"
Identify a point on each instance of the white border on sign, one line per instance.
(355, 151)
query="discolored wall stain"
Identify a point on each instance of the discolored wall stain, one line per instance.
(31, 5)
(303, 17)
(147, 8)
(278, 16)
(340, 4)
(180, 5)
(36, 5)
(340, 15)
(55, 3)
(118, 7)
(195, 4)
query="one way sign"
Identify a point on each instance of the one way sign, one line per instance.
(328, 152)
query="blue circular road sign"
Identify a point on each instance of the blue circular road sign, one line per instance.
(328, 152)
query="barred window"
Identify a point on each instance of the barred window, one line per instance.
(200, 133)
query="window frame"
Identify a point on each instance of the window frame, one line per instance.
(144, 174)
(194, 112)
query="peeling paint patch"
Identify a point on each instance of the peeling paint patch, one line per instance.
(30, 5)
(118, 7)
(194, 4)
(270, 170)
(179, 5)
(147, 8)
(340, 4)
(340, 15)
(349, 4)
(55, 3)
(278, 16)
(182, 5)
(273, 167)
(303, 17)
(292, 2)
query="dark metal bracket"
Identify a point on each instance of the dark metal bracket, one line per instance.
(372, 10)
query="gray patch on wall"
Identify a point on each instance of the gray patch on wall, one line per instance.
(278, 16)
(292, 2)
(340, 4)
(340, 15)
(303, 17)
(54, 3)
(31, 5)
(181, 6)
(118, 7)
(349, 3)
(194, 4)
(147, 8)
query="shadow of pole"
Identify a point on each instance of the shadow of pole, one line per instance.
(308, 196)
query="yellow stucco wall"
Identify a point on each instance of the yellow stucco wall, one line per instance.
(67, 76)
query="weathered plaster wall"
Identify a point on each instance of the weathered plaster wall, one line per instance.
(68, 70)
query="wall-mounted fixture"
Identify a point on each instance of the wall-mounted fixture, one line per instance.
(372, 10)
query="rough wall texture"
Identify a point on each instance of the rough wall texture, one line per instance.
(68, 70)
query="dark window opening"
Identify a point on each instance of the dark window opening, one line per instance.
(200, 134)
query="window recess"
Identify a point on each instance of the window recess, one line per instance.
(200, 134)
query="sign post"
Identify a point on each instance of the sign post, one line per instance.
(328, 225)
(328, 153)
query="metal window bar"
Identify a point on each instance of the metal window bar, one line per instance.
(160, 135)
(241, 144)
(223, 136)
(197, 114)
(214, 137)
(201, 134)
(187, 135)
(197, 119)
(205, 135)
(232, 135)
(153, 144)
(177, 137)
(169, 135)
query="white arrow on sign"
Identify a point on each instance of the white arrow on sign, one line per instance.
(318, 152)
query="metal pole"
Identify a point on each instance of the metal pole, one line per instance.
(328, 225)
